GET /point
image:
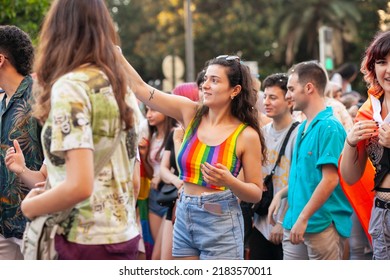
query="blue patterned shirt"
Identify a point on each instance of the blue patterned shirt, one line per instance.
(16, 123)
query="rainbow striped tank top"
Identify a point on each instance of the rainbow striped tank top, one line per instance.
(193, 153)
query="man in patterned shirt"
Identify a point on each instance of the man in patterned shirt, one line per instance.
(16, 123)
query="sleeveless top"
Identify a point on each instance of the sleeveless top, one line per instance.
(193, 153)
(378, 154)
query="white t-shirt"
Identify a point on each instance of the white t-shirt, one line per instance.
(274, 140)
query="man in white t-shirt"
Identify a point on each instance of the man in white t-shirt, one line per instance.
(265, 242)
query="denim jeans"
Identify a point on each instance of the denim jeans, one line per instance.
(379, 230)
(209, 226)
(154, 206)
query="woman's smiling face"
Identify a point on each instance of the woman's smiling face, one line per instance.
(216, 87)
(382, 72)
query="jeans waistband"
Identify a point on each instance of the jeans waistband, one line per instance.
(382, 204)
(214, 197)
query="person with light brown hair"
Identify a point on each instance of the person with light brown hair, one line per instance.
(317, 220)
(83, 100)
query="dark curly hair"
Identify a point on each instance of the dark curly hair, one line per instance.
(277, 79)
(16, 45)
(244, 104)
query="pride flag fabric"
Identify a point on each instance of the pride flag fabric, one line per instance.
(193, 153)
(361, 194)
(143, 210)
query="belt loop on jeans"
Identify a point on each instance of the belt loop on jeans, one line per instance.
(382, 204)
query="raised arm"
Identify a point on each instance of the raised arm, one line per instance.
(178, 107)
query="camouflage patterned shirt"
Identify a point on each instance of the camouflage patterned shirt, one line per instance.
(84, 114)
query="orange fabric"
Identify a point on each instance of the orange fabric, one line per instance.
(361, 196)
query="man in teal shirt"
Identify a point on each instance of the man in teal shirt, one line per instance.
(317, 221)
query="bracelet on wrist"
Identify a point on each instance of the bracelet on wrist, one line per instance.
(349, 143)
(279, 222)
(21, 172)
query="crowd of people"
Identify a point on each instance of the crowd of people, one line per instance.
(74, 136)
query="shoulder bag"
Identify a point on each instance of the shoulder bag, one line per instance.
(261, 207)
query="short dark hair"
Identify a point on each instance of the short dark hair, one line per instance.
(277, 79)
(311, 72)
(16, 45)
(347, 70)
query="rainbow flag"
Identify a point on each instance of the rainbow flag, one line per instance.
(143, 210)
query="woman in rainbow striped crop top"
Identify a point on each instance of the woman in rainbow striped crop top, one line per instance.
(222, 136)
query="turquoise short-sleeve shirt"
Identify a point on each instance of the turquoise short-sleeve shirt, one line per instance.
(321, 144)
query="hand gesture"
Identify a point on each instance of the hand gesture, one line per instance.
(155, 182)
(143, 147)
(273, 209)
(362, 130)
(217, 175)
(14, 159)
(276, 236)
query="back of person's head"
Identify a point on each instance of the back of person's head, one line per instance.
(378, 49)
(256, 83)
(311, 72)
(276, 80)
(347, 70)
(74, 33)
(189, 90)
(349, 101)
(334, 90)
(16, 46)
(200, 78)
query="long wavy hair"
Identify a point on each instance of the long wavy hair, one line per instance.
(378, 49)
(77, 32)
(243, 105)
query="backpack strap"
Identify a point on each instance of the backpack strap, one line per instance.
(283, 148)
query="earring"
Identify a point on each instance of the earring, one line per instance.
(232, 97)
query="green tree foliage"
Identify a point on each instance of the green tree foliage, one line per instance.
(26, 14)
(266, 31)
(299, 22)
